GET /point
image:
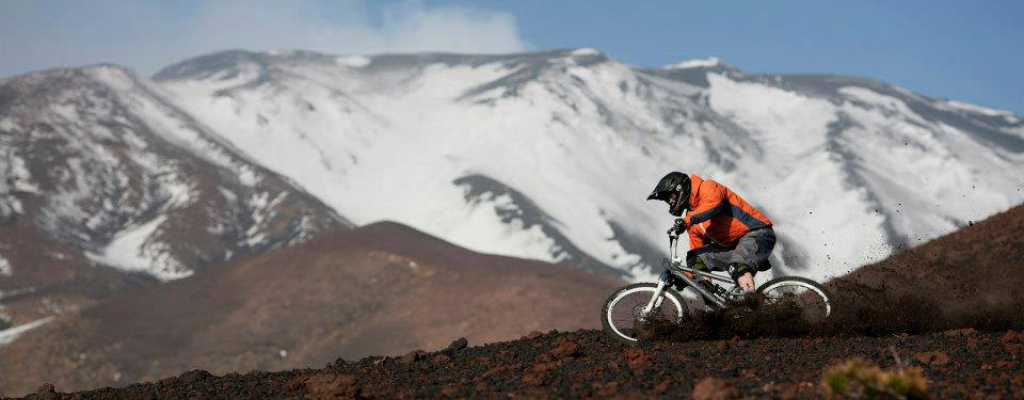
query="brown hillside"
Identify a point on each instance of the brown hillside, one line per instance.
(381, 289)
(52, 278)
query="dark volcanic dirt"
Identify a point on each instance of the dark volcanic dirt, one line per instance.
(952, 307)
(959, 364)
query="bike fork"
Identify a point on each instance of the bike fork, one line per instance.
(655, 300)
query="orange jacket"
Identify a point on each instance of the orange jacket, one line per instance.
(717, 215)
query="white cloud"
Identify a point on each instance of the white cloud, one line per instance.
(149, 35)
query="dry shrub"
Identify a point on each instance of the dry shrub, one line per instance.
(859, 379)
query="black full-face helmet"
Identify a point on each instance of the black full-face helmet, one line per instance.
(673, 189)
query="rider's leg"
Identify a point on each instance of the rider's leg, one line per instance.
(743, 275)
(695, 260)
(698, 264)
(751, 255)
(746, 282)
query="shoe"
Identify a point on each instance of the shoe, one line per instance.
(738, 296)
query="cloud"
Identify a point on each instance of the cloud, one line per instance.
(149, 35)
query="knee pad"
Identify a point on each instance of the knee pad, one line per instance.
(696, 263)
(738, 269)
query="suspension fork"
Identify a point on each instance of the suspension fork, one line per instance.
(658, 297)
(664, 280)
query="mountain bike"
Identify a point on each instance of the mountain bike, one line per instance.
(630, 307)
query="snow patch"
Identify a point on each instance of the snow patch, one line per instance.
(5, 267)
(230, 196)
(8, 125)
(788, 124)
(697, 63)
(889, 103)
(992, 112)
(14, 178)
(353, 61)
(8, 336)
(136, 249)
(585, 51)
(144, 99)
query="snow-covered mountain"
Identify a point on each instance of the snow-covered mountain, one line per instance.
(541, 155)
(549, 155)
(97, 159)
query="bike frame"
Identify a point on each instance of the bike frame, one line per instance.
(675, 270)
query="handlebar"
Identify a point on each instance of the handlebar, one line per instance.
(678, 226)
(673, 237)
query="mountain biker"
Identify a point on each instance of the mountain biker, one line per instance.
(726, 233)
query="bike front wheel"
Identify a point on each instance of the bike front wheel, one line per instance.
(621, 315)
(805, 296)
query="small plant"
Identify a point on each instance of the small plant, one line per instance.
(859, 379)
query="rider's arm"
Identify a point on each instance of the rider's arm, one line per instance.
(710, 202)
(696, 239)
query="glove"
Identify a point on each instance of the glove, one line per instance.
(678, 227)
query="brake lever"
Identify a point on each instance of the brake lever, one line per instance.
(678, 226)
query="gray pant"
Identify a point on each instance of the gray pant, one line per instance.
(752, 250)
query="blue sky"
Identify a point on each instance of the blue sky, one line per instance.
(966, 50)
(962, 50)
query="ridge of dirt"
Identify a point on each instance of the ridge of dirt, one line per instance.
(969, 278)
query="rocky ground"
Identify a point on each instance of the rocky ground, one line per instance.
(958, 364)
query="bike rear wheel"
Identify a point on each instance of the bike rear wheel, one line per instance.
(621, 313)
(811, 299)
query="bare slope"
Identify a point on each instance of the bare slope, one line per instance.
(380, 289)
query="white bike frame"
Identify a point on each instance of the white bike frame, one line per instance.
(674, 271)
